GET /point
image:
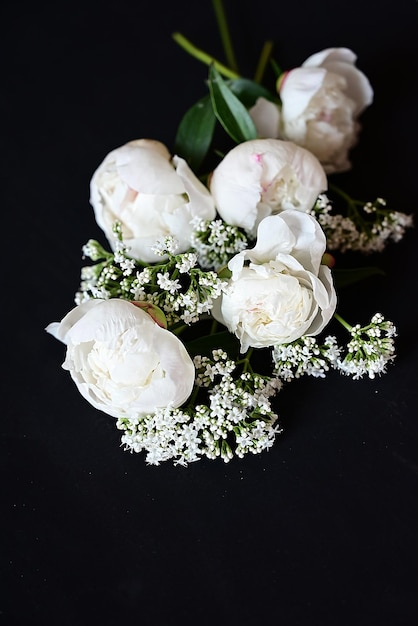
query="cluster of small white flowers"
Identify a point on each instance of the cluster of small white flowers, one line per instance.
(97, 281)
(169, 433)
(369, 229)
(370, 350)
(144, 276)
(122, 259)
(180, 304)
(126, 265)
(237, 419)
(207, 369)
(305, 357)
(181, 289)
(216, 242)
(166, 283)
(87, 284)
(167, 245)
(94, 251)
(186, 262)
(91, 285)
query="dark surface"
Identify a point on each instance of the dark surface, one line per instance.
(322, 529)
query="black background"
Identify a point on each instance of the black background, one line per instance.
(321, 529)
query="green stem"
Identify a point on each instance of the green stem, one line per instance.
(213, 327)
(263, 60)
(341, 193)
(224, 33)
(200, 55)
(276, 68)
(245, 362)
(353, 211)
(343, 322)
(351, 202)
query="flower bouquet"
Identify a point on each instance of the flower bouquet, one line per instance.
(221, 280)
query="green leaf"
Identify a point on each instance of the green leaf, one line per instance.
(224, 272)
(247, 91)
(195, 132)
(204, 345)
(231, 113)
(346, 277)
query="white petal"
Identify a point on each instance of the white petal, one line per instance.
(266, 117)
(146, 169)
(201, 202)
(298, 88)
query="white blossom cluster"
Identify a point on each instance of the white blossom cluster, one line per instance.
(236, 419)
(178, 285)
(216, 242)
(367, 228)
(368, 352)
(181, 300)
(305, 357)
(370, 349)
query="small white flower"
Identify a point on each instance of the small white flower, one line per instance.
(165, 282)
(187, 262)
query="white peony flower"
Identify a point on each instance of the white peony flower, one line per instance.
(321, 103)
(151, 195)
(279, 290)
(122, 362)
(263, 177)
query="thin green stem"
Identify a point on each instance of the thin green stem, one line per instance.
(245, 362)
(341, 193)
(225, 34)
(343, 322)
(353, 211)
(351, 202)
(213, 327)
(202, 56)
(263, 60)
(276, 68)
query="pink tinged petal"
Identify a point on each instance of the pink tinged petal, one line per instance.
(248, 183)
(236, 202)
